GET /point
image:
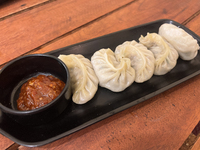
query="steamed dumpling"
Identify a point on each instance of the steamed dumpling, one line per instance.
(84, 82)
(112, 74)
(142, 60)
(165, 55)
(183, 42)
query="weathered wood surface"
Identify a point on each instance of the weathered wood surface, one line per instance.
(196, 146)
(5, 142)
(162, 122)
(11, 7)
(29, 30)
(136, 13)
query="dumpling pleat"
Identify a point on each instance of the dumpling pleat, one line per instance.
(84, 82)
(165, 54)
(142, 60)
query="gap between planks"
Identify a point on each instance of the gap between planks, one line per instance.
(191, 138)
(70, 32)
(79, 28)
(189, 142)
(14, 146)
(27, 9)
(191, 18)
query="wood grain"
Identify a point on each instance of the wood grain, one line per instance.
(11, 7)
(31, 29)
(134, 14)
(147, 125)
(196, 146)
(194, 24)
(178, 114)
(5, 142)
(162, 122)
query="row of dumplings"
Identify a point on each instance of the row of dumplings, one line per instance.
(154, 54)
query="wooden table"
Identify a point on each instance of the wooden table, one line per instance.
(162, 122)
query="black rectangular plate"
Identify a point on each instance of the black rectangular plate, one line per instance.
(105, 103)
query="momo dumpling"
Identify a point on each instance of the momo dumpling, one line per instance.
(165, 55)
(112, 74)
(84, 82)
(183, 42)
(142, 59)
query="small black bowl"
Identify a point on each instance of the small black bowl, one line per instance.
(17, 72)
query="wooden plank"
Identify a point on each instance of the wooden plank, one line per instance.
(134, 14)
(30, 29)
(129, 128)
(98, 135)
(179, 105)
(162, 122)
(5, 142)
(189, 142)
(11, 7)
(194, 24)
(196, 145)
(167, 118)
(172, 115)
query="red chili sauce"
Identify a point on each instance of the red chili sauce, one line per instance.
(39, 91)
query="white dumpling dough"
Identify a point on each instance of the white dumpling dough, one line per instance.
(84, 82)
(165, 54)
(112, 74)
(142, 59)
(183, 42)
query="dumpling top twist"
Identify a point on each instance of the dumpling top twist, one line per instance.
(142, 59)
(112, 74)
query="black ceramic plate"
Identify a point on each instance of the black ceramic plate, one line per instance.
(105, 103)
